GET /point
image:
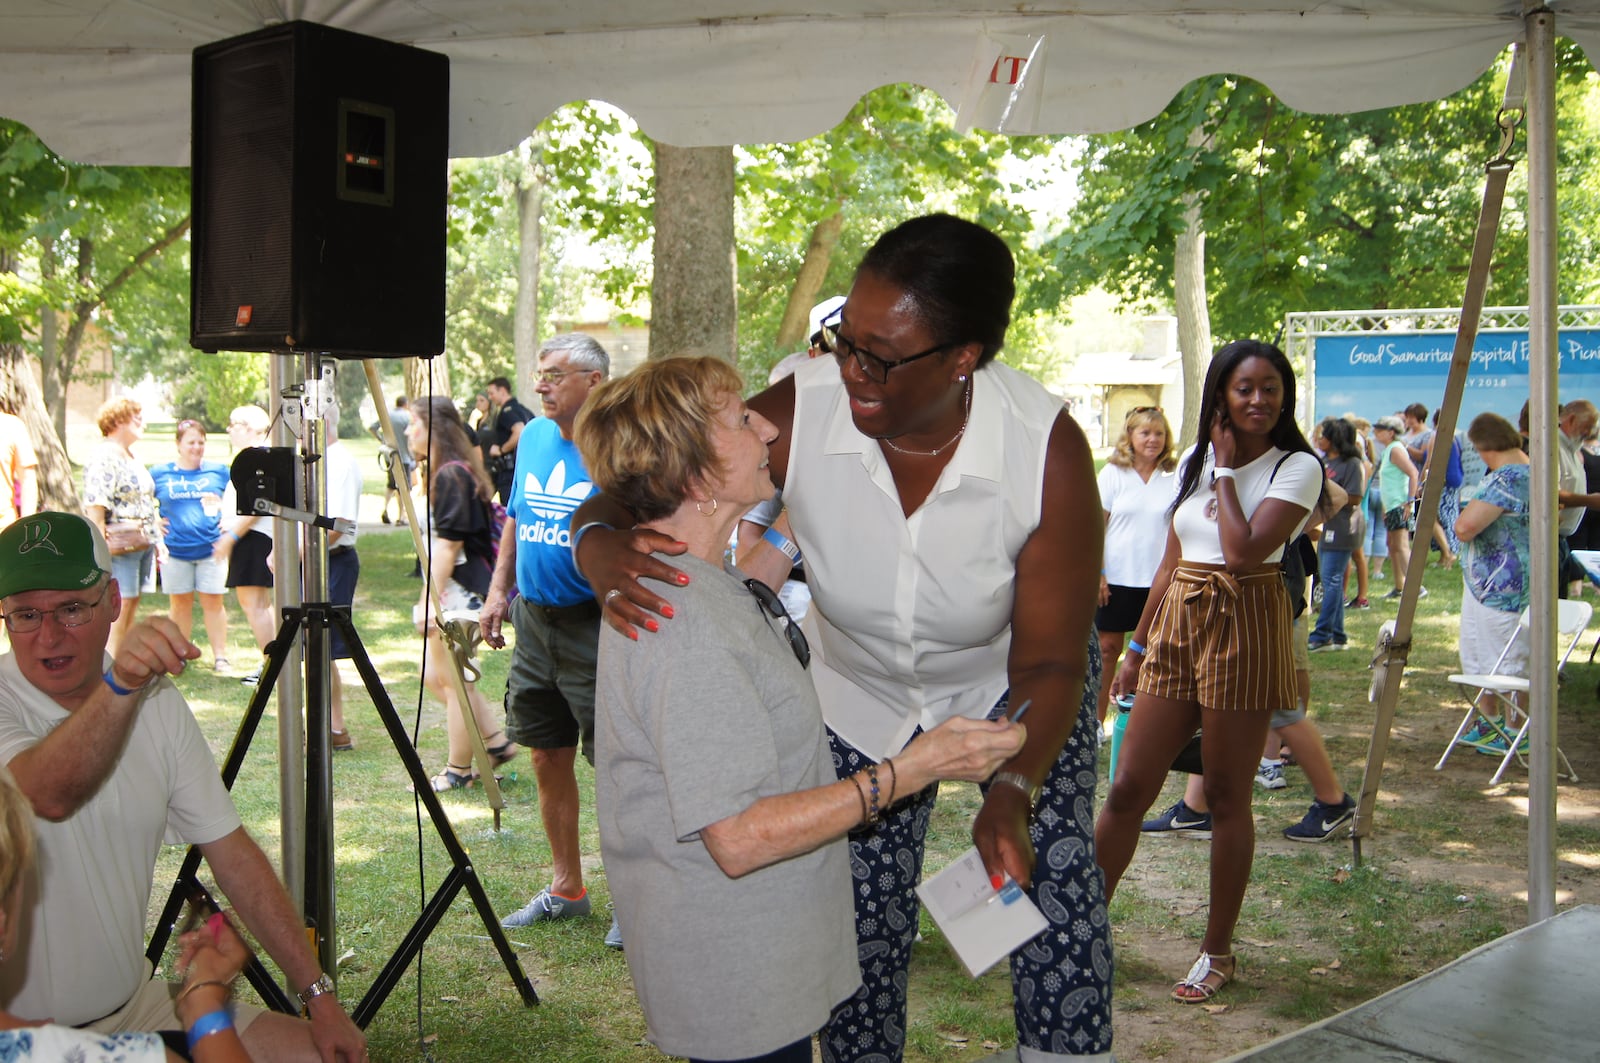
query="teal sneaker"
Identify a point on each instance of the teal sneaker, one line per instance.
(1496, 746)
(1481, 732)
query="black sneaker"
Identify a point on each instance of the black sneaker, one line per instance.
(1322, 821)
(1180, 819)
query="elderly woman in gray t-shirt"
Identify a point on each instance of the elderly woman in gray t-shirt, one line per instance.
(715, 791)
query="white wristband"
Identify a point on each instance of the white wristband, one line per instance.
(1221, 474)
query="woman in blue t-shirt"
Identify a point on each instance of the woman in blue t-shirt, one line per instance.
(190, 492)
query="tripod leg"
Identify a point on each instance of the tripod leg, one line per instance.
(462, 872)
(187, 882)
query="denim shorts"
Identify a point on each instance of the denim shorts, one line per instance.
(207, 575)
(131, 570)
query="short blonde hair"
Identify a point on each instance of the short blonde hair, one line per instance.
(16, 836)
(647, 437)
(1143, 417)
(114, 413)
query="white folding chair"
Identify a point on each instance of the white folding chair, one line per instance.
(1572, 618)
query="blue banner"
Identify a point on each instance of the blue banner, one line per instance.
(1375, 373)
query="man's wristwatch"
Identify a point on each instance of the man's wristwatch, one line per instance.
(1019, 781)
(322, 985)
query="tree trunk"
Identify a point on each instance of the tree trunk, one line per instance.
(19, 393)
(693, 306)
(55, 397)
(808, 283)
(1194, 319)
(530, 247)
(426, 376)
(1190, 305)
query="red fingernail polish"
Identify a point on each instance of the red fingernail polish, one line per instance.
(996, 881)
(683, 580)
(652, 625)
(666, 611)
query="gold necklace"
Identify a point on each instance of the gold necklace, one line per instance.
(936, 451)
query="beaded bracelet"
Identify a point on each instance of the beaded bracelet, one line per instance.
(208, 1024)
(872, 780)
(894, 782)
(862, 795)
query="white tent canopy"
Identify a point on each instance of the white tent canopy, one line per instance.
(108, 80)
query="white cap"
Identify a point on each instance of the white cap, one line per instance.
(821, 312)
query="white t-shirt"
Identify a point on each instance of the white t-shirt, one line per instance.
(82, 954)
(344, 487)
(1297, 480)
(1136, 533)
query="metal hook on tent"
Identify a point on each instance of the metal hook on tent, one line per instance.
(1512, 108)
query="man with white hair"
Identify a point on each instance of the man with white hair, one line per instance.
(113, 763)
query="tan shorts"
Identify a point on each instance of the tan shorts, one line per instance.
(151, 1010)
(1222, 640)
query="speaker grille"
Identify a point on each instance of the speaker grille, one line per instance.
(247, 111)
(319, 189)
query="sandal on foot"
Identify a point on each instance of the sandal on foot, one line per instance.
(503, 752)
(1198, 986)
(340, 741)
(450, 779)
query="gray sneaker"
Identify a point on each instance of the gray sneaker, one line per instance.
(546, 905)
(614, 935)
(1270, 777)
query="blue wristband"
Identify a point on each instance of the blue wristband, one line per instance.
(577, 536)
(116, 687)
(1134, 647)
(208, 1024)
(783, 544)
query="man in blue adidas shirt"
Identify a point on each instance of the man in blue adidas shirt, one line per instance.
(550, 689)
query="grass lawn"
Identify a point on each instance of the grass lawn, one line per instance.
(1441, 874)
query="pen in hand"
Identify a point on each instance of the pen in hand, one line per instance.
(1020, 710)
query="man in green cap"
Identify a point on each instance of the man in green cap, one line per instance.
(114, 764)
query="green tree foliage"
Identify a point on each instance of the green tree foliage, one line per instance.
(897, 154)
(85, 234)
(1317, 212)
(594, 179)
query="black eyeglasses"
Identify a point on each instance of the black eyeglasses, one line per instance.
(774, 607)
(872, 367)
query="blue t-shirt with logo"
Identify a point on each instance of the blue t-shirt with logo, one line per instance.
(191, 531)
(549, 483)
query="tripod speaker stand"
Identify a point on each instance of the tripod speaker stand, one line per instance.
(314, 619)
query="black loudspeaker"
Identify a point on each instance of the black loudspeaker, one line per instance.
(320, 178)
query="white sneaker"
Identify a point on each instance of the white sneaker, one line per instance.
(1270, 777)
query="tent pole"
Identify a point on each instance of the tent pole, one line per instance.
(1543, 415)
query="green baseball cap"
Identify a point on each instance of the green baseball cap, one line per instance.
(51, 552)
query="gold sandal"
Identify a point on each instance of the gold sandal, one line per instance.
(1196, 987)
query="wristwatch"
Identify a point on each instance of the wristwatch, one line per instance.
(1019, 781)
(322, 985)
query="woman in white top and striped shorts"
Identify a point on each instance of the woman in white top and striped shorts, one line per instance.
(1213, 646)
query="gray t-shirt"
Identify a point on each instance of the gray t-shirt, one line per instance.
(693, 725)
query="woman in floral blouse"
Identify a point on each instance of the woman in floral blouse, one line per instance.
(1493, 529)
(120, 497)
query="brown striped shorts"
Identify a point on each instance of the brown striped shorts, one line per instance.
(1222, 640)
